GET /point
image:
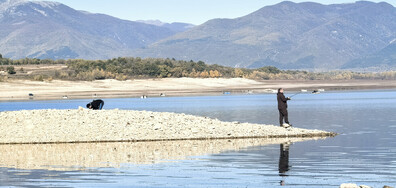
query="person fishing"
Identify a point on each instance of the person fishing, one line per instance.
(96, 104)
(282, 107)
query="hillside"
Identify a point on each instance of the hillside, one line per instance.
(383, 60)
(39, 29)
(286, 35)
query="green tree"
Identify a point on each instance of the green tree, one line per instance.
(11, 70)
(164, 71)
(269, 69)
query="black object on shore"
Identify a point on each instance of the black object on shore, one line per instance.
(96, 104)
(315, 91)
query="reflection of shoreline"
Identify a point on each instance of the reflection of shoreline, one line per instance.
(80, 156)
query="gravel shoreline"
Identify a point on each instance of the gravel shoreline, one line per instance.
(17, 90)
(83, 125)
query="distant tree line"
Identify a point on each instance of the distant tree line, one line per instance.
(131, 68)
(145, 68)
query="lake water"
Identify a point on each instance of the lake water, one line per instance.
(363, 153)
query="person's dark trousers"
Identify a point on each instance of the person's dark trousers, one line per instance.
(283, 115)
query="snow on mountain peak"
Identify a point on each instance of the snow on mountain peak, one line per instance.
(39, 6)
(5, 4)
(47, 4)
(9, 3)
(152, 22)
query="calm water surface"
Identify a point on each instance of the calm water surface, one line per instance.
(363, 153)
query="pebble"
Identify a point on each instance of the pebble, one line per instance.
(349, 185)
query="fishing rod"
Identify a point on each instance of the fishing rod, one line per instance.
(313, 92)
(295, 94)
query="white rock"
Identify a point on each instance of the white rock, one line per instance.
(349, 185)
(157, 126)
(195, 130)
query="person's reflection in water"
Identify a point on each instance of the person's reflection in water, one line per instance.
(284, 161)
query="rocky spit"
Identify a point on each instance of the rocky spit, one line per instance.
(84, 125)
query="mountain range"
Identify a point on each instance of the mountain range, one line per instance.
(43, 29)
(286, 35)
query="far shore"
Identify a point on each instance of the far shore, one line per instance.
(14, 90)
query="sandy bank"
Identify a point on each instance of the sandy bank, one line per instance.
(83, 125)
(19, 89)
(93, 155)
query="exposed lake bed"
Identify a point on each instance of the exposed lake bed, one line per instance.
(17, 90)
(84, 125)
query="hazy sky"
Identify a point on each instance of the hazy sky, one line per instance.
(189, 11)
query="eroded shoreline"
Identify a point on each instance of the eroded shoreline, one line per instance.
(17, 90)
(89, 126)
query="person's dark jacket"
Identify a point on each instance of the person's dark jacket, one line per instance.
(96, 104)
(282, 101)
